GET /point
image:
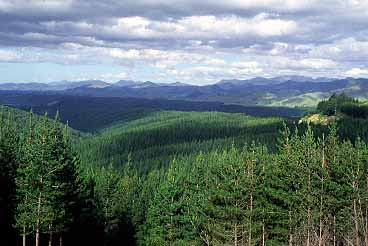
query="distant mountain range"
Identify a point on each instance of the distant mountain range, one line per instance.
(278, 91)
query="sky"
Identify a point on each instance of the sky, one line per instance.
(192, 41)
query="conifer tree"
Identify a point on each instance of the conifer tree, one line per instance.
(167, 220)
(106, 185)
(46, 180)
(65, 186)
(9, 142)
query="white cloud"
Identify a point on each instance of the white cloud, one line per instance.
(348, 49)
(9, 56)
(190, 40)
(357, 72)
(317, 63)
(209, 27)
(191, 27)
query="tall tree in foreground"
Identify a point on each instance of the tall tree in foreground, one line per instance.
(167, 220)
(9, 141)
(65, 187)
(226, 201)
(46, 180)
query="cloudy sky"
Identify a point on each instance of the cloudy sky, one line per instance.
(193, 41)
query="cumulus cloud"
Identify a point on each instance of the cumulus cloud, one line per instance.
(357, 72)
(190, 40)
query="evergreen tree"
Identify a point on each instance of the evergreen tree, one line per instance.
(9, 142)
(46, 180)
(106, 186)
(227, 206)
(65, 185)
(167, 220)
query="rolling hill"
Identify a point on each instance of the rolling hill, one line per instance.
(155, 139)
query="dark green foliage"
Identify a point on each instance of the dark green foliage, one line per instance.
(340, 103)
(168, 222)
(185, 178)
(155, 140)
(46, 179)
(8, 166)
(312, 191)
(334, 104)
(355, 110)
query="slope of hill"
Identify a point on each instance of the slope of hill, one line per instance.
(304, 100)
(155, 139)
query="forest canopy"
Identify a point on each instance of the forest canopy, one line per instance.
(309, 189)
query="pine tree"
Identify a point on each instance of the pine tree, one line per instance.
(46, 180)
(148, 187)
(9, 142)
(167, 221)
(34, 180)
(223, 192)
(106, 186)
(65, 186)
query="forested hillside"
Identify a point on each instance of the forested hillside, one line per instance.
(154, 140)
(182, 178)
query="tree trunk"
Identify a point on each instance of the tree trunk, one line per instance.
(334, 230)
(61, 239)
(250, 221)
(37, 236)
(235, 236)
(308, 226)
(320, 241)
(50, 235)
(366, 227)
(24, 236)
(263, 234)
(290, 230)
(357, 237)
(291, 240)
(38, 219)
